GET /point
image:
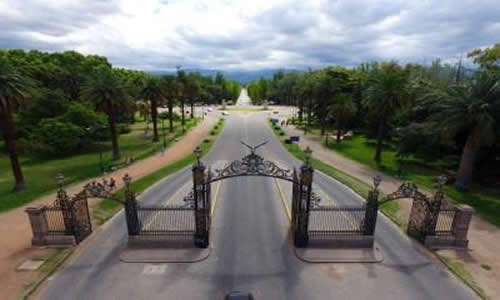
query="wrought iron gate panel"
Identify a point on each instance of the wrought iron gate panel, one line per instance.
(55, 220)
(82, 226)
(332, 220)
(166, 220)
(444, 225)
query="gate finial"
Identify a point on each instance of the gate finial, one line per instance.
(197, 153)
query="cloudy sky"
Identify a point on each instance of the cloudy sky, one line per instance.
(251, 34)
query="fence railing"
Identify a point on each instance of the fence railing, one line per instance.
(444, 225)
(54, 219)
(333, 220)
(166, 220)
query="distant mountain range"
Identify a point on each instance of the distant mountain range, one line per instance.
(243, 77)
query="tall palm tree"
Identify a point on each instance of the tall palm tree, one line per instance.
(14, 88)
(386, 95)
(342, 110)
(468, 108)
(192, 90)
(170, 85)
(154, 91)
(107, 90)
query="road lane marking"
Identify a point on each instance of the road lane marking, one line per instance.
(282, 197)
(216, 198)
(154, 269)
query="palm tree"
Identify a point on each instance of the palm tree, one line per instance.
(107, 90)
(386, 95)
(192, 90)
(170, 85)
(468, 108)
(342, 110)
(14, 88)
(154, 91)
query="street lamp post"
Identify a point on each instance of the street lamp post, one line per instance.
(163, 129)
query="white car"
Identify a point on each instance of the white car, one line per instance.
(225, 113)
(209, 109)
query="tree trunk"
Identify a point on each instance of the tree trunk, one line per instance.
(112, 131)
(9, 136)
(339, 131)
(154, 118)
(171, 115)
(192, 109)
(468, 159)
(380, 140)
(182, 115)
(301, 110)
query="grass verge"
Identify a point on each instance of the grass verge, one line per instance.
(107, 207)
(54, 261)
(390, 209)
(459, 270)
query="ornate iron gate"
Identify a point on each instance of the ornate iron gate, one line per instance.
(424, 212)
(75, 214)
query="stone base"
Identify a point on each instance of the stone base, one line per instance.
(347, 241)
(339, 255)
(442, 242)
(162, 249)
(55, 241)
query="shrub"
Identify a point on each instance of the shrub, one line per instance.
(206, 141)
(55, 138)
(212, 132)
(123, 128)
(281, 133)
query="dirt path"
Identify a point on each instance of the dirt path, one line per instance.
(484, 238)
(15, 231)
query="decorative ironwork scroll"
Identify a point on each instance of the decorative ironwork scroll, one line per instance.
(252, 165)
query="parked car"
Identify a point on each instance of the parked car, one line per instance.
(225, 113)
(276, 112)
(209, 109)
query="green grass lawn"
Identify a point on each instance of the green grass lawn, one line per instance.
(107, 208)
(40, 173)
(362, 150)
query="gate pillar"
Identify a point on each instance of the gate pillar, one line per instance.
(371, 211)
(301, 236)
(201, 235)
(64, 203)
(133, 225)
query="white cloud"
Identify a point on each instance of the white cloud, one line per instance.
(244, 34)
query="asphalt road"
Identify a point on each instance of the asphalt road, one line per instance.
(251, 249)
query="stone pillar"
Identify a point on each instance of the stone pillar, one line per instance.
(461, 224)
(38, 224)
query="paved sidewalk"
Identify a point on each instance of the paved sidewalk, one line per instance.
(15, 231)
(484, 238)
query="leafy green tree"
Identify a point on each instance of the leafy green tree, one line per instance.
(53, 137)
(154, 91)
(107, 90)
(385, 96)
(468, 108)
(488, 58)
(342, 110)
(14, 89)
